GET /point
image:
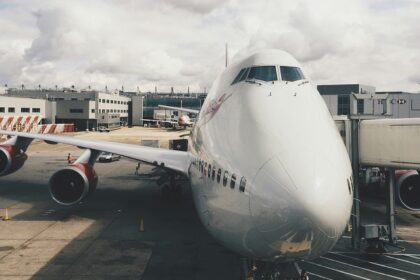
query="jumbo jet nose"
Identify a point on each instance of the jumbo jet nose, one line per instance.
(302, 202)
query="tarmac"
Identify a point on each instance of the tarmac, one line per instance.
(127, 230)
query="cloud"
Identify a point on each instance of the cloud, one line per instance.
(181, 43)
(198, 6)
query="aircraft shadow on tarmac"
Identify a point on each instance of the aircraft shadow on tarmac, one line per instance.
(174, 244)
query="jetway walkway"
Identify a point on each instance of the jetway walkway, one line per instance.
(391, 144)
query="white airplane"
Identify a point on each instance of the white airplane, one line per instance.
(270, 176)
(184, 120)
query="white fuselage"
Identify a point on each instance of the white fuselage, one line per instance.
(279, 137)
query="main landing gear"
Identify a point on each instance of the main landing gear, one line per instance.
(171, 190)
(257, 270)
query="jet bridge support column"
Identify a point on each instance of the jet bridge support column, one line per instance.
(390, 205)
(355, 233)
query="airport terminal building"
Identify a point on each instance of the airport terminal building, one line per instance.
(337, 98)
(85, 109)
(91, 109)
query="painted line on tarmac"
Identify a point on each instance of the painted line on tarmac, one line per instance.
(399, 240)
(339, 271)
(319, 276)
(409, 241)
(378, 264)
(417, 256)
(362, 268)
(401, 260)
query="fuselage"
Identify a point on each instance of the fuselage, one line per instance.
(184, 120)
(270, 176)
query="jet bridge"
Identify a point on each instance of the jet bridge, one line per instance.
(378, 141)
(392, 143)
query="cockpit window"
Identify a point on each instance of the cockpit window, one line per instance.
(291, 74)
(238, 77)
(241, 76)
(263, 73)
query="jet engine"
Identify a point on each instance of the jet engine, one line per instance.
(408, 189)
(12, 159)
(73, 184)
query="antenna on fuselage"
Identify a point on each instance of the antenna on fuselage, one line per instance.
(226, 55)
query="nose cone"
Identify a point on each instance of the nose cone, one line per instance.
(301, 201)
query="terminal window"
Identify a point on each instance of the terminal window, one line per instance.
(36, 110)
(76, 111)
(25, 110)
(343, 106)
(11, 109)
(360, 106)
(1, 109)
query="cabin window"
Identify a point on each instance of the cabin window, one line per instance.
(225, 178)
(349, 185)
(209, 171)
(219, 174)
(291, 74)
(263, 73)
(213, 173)
(233, 181)
(242, 184)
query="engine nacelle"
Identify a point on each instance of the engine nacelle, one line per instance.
(73, 184)
(408, 189)
(12, 159)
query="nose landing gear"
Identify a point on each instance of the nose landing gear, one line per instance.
(257, 270)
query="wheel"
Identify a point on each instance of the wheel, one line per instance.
(304, 275)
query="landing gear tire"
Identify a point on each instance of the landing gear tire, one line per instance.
(305, 275)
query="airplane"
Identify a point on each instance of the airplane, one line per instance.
(184, 120)
(270, 176)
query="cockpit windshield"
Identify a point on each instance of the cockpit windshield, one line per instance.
(241, 76)
(291, 74)
(263, 73)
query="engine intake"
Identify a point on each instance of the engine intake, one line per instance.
(11, 159)
(73, 184)
(408, 189)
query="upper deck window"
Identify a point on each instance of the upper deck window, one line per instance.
(263, 73)
(291, 74)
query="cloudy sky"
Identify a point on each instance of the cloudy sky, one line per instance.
(181, 43)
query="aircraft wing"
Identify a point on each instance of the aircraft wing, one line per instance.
(180, 109)
(175, 160)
